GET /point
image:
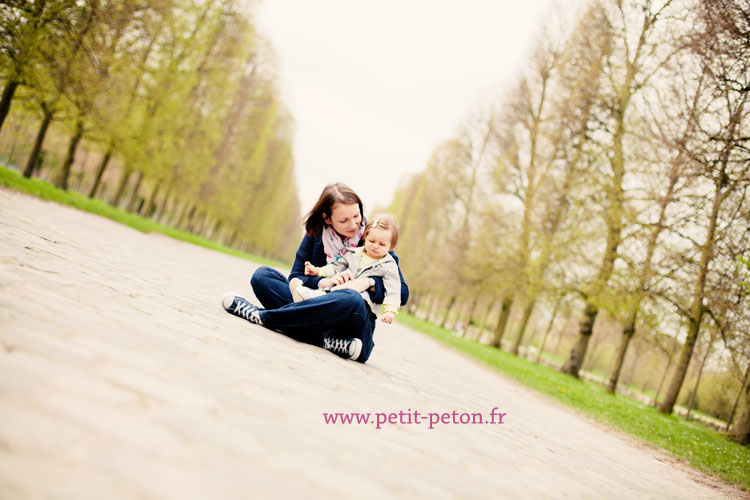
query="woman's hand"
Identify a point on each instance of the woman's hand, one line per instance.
(310, 270)
(388, 317)
(358, 285)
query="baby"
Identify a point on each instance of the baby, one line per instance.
(372, 259)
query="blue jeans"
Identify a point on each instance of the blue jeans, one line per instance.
(341, 314)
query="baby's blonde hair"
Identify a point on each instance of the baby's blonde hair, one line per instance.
(384, 221)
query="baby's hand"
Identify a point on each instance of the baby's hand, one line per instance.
(310, 270)
(388, 317)
(342, 277)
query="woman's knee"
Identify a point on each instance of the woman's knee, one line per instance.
(352, 300)
(271, 288)
(263, 275)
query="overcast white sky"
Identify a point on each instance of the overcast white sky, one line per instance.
(374, 86)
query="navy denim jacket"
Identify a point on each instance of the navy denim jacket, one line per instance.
(311, 249)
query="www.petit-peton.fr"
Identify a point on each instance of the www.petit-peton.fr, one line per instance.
(415, 417)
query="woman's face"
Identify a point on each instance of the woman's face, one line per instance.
(345, 219)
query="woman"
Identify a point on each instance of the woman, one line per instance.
(340, 322)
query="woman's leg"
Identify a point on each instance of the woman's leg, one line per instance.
(311, 320)
(271, 287)
(365, 332)
(341, 314)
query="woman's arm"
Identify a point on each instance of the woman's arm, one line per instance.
(310, 249)
(378, 294)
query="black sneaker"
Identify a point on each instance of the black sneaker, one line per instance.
(238, 306)
(345, 348)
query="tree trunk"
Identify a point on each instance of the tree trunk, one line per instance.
(741, 431)
(175, 213)
(425, 302)
(81, 172)
(682, 363)
(437, 307)
(425, 299)
(121, 188)
(697, 383)
(195, 221)
(575, 360)
(190, 220)
(462, 321)
(70, 157)
(182, 216)
(8, 91)
(200, 222)
(695, 313)
(483, 323)
(13, 147)
(187, 217)
(133, 199)
(696, 309)
(527, 310)
(414, 303)
(207, 227)
(221, 237)
(559, 339)
(448, 311)
(472, 311)
(431, 308)
(151, 199)
(546, 332)
(160, 212)
(233, 239)
(634, 364)
(629, 329)
(739, 396)
(34, 157)
(100, 172)
(502, 322)
(614, 375)
(216, 231)
(661, 382)
(613, 216)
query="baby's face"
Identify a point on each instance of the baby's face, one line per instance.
(377, 243)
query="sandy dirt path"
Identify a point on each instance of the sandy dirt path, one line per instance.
(122, 377)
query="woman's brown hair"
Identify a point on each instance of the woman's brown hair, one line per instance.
(331, 195)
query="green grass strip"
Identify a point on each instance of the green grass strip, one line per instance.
(703, 448)
(47, 191)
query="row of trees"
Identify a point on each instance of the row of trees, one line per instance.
(179, 94)
(610, 183)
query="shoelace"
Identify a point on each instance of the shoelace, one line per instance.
(338, 345)
(248, 311)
